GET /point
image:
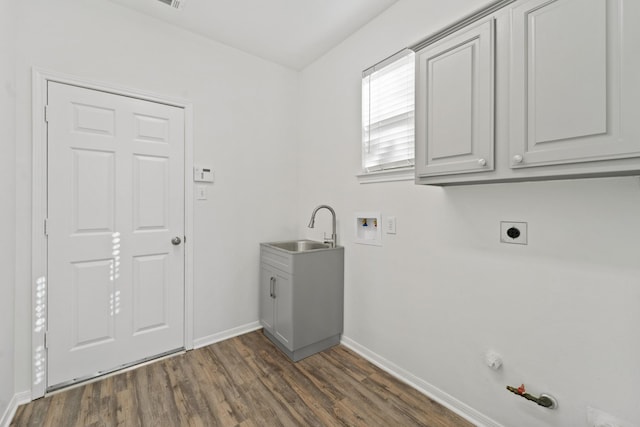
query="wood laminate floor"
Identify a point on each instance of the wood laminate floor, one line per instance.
(243, 381)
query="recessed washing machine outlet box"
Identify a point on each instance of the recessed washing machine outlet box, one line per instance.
(513, 232)
(368, 230)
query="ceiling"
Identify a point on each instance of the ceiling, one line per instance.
(293, 33)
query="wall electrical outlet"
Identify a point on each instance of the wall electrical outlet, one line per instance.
(598, 418)
(513, 232)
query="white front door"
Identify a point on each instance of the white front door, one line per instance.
(115, 209)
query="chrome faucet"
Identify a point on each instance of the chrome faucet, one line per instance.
(333, 242)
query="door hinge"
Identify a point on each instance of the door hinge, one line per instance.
(46, 226)
(46, 339)
(46, 113)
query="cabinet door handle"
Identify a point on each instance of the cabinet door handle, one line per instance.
(273, 293)
(272, 281)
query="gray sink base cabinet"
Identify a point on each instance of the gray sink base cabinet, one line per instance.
(302, 299)
(305, 351)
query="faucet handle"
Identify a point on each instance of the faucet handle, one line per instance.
(331, 240)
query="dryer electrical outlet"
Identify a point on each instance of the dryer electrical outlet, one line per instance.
(513, 232)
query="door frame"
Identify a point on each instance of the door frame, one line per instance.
(39, 255)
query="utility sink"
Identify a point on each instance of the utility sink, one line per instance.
(299, 245)
(301, 295)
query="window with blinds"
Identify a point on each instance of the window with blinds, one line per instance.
(388, 113)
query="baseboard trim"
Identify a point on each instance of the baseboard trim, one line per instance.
(224, 335)
(434, 393)
(17, 400)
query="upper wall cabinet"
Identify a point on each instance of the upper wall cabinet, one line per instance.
(454, 96)
(565, 85)
(566, 94)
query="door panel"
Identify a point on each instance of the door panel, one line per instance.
(283, 319)
(152, 129)
(568, 86)
(267, 313)
(93, 320)
(150, 282)
(93, 191)
(451, 99)
(455, 103)
(151, 193)
(91, 119)
(566, 73)
(116, 199)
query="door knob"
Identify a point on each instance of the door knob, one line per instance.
(176, 240)
(517, 158)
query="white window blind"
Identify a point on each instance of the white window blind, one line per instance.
(388, 113)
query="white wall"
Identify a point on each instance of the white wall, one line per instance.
(7, 205)
(243, 129)
(563, 311)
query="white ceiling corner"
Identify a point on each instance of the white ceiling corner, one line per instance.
(293, 33)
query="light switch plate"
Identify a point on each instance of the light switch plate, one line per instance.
(201, 192)
(513, 232)
(390, 225)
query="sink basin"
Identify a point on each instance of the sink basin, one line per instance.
(299, 245)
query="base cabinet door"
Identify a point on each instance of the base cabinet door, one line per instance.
(283, 299)
(455, 103)
(572, 82)
(276, 301)
(267, 304)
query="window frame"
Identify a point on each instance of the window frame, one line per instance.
(391, 118)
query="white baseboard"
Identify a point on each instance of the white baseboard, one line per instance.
(17, 400)
(434, 393)
(229, 333)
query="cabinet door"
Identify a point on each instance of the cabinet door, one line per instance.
(283, 319)
(570, 59)
(267, 313)
(455, 103)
